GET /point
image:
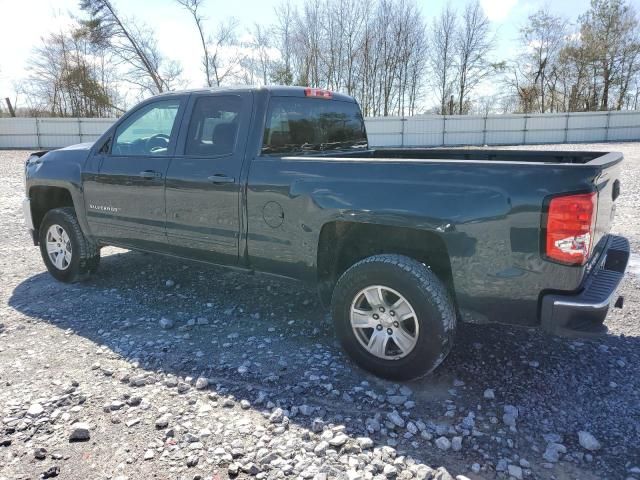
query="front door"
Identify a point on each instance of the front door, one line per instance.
(203, 181)
(124, 198)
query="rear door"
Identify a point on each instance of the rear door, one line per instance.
(124, 183)
(203, 181)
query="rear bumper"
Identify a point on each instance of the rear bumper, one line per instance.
(583, 313)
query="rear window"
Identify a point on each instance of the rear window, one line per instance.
(300, 125)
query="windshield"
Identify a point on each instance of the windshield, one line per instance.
(301, 125)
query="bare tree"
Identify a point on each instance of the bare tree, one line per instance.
(283, 33)
(133, 44)
(542, 37)
(70, 77)
(258, 63)
(473, 45)
(442, 55)
(193, 7)
(609, 34)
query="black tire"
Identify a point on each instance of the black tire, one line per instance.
(427, 295)
(85, 256)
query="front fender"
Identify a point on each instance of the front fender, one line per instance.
(61, 169)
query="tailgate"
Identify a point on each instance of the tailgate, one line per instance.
(608, 186)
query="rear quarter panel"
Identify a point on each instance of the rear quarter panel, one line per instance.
(487, 213)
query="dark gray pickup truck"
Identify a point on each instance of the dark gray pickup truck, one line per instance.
(402, 243)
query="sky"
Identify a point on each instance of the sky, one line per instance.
(23, 23)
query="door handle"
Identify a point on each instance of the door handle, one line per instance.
(220, 178)
(150, 174)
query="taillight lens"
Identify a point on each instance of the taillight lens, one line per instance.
(570, 227)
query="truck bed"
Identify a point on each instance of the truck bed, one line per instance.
(465, 154)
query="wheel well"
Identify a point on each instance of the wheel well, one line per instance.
(44, 199)
(344, 243)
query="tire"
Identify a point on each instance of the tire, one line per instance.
(429, 319)
(81, 256)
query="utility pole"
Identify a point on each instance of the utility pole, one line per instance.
(12, 112)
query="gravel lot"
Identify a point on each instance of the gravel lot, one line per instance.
(244, 377)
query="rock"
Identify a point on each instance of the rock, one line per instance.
(116, 405)
(411, 428)
(396, 399)
(456, 444)
(395, 418)
(233, 469)
(489, 394)
(35, 410)
(51, 472)
(443, 443)
(162, 422)
(251, 469)
(306, 410)
(475, 468)
(365, 443)
(149, 454)
(511, 410)
(515, 471)
(354, 475)
(389, 471)
(134, 421)
(339, 440)
(553, 452)
(321, 448)
(509, 420)
(79, 432)
(277, 416)
(202, 383)
(40, 453)
(192, 461)
(317, 425)
(169, 283)
(134, 401)
(552, 438)
(166, 323)
(588, 441)
(442, 474)
(245, 404)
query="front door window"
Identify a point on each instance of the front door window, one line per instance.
(148, 131)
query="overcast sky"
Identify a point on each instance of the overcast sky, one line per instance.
(23, 23)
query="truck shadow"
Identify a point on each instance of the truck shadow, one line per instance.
(252, 335)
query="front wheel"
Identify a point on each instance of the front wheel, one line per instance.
(67, 253)
(393, 316)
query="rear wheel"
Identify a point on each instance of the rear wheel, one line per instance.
(67, 253)
(393, 316)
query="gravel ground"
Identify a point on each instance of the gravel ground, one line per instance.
(156, 368)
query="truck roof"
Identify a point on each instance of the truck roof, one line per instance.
(275, 90)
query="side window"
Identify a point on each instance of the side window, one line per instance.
(148, 131)
(298, 125)
(213, 128)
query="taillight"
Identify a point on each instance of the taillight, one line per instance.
(318, 93)
(570, 227)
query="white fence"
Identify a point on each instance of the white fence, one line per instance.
(417, 131)
(437, 130)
